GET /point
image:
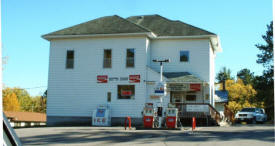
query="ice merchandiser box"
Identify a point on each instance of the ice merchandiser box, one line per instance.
(101, 116)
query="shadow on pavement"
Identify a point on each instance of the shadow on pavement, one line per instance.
(116, 136)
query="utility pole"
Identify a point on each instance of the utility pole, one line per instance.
(162, 92)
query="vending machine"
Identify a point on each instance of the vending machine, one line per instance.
(148, 115)
(102, 116)
(171, 117)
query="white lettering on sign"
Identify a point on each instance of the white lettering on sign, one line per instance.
(197, 108)
(123, 78)
(113, 79)
(177, 87)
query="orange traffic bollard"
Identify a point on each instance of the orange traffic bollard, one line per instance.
(193, 123)
(125, 123)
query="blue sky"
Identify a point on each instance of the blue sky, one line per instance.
(239, 23)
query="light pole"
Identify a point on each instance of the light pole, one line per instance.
(161, 91)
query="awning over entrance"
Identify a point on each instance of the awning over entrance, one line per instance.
(181, 77)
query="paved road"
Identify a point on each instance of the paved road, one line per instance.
(241, 135)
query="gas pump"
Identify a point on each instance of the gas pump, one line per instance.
(148, 115)
(171, 117)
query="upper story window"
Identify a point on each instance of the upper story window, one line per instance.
(184, 56)
(70, 59)
(130, 58)
(107, 61)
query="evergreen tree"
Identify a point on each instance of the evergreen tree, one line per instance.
(265, 84)
(246, 76)
(223, 75)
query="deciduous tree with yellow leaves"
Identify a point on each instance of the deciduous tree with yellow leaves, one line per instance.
(10, 102)
(240, 95)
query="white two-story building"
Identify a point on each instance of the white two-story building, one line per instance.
(109, 60)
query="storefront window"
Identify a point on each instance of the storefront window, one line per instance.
(190, 97)
(125, 91)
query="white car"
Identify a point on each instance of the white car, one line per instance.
(251, 115)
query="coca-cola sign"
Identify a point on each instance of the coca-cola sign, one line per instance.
(134, 78)
(195, 87)
(102, 79)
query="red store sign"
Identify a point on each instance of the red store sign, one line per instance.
(195, 87)
(102, 79)
(134, 78)
(126, 93)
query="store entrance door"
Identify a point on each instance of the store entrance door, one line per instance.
(177, 97)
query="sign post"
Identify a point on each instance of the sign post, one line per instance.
(161, 90)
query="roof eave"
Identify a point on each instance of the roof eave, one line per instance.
(216, 43)
(214, 40)
(186, 37)
(171, 82)
(51, 37)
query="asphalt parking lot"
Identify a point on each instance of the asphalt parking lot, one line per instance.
(252, 135)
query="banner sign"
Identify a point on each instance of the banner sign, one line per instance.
(195, 87)
(126, 93)
(177, 87)
(113, 79)
(105, 79)
(123, 78)
(154, 97)
(197, 108)
(134, 78)
(102, 79)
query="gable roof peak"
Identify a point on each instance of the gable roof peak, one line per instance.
(162, 26)
(103, 25)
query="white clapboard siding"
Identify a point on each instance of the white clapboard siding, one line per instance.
(198, 64)
(212, 74)
(75, 92)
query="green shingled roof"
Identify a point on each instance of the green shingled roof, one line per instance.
(164, 27)
(136, 24)
(104, 25)
(182, 77)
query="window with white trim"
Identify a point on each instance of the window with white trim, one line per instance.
(184, 56)
(107, 58)
(130, 57)
(70, 59)
(125, 91)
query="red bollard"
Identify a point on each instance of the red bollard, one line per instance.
(193, 123)
(125, 123)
